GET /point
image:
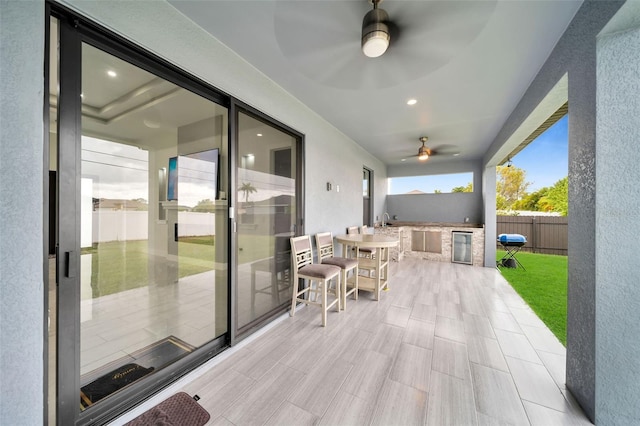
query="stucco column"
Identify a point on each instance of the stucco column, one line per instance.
(489, 219)
(22, 311)
(617, 297)
(582, 212)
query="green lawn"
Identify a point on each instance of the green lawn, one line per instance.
(543, 285)
(124, 265)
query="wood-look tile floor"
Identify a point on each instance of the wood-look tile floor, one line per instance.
(448, 344)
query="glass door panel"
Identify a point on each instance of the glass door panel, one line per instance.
(153, 224)
(267, 170)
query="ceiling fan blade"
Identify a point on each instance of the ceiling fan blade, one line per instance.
(424, 37)
(445, 149)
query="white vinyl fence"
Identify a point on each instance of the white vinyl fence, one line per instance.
(122, 225)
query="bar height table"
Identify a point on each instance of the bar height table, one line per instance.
(380, 263)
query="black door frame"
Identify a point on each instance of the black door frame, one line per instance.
(74, 31)
(369, 221)
(237, 106)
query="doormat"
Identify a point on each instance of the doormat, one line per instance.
(112, 377)
(111, 382)
(178, 410)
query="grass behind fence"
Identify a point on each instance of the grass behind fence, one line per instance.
(543, 285)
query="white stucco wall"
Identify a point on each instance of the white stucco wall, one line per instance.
(618, 225)
(21, 229)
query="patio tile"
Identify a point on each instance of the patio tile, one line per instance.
(289, 414)
(451, 358)
(556, 365)
(535, 384)
(451, 401)
(367, 376)
(315, 392)
(504, 321)
(543, 339)
(262, 399)
(345, 409)
(424, 312)
(525, 316)
(412, 367)
(451, 329)
(544, 416)
(477, 325)
(517, 346)
(449, 310)
(496, 395)
(399, 404)
(486, 351)
(397, 316)
(419, 333)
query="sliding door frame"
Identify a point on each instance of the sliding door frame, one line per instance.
(237, 106)
(74, 31)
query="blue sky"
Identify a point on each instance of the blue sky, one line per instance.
(545, 161)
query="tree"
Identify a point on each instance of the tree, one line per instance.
(437, 191)
(511, 185)
(468, 188)
(501, 203)
(205, 205)
(557, 198)
(248, 189)
(141, 204)
(530, 201)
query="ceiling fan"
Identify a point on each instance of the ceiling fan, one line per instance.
(375, 31)
(424, 152)
(323, 39)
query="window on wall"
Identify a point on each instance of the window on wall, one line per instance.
(431, 184)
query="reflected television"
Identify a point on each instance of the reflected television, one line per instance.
(198, 169)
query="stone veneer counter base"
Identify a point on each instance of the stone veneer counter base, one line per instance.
(403, 231)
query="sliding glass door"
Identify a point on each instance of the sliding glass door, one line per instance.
(269, 213)
(158, 187)
(143, 223)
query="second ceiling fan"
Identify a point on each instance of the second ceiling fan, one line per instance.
(424, 152)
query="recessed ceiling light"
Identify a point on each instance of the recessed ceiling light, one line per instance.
(151, 124)
(404, 159)
(456, 154)
(412, 102)
(259, 134)
(112, 73)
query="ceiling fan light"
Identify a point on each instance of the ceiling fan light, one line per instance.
(375, 32)
(423, 153)
(375, 43)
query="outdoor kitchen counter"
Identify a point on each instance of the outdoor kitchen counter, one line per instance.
(396, 223)
(404, 232)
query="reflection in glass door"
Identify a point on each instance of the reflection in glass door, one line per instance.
(267, 209)
(151, 266)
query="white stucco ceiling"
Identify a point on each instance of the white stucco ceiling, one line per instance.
(466, 62)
